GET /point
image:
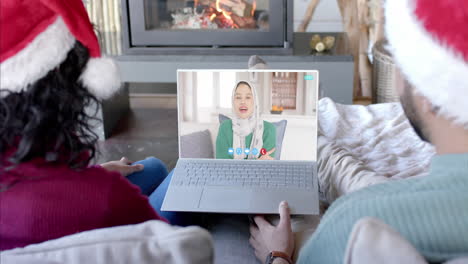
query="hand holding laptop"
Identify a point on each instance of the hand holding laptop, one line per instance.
(266, 238)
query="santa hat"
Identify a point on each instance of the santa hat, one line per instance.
(429, 41)
(36, 36)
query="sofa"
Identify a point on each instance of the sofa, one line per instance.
(371, 241)
(346, 162)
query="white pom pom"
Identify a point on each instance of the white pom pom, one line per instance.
(101, 77)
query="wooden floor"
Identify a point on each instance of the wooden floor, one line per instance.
(142, 133)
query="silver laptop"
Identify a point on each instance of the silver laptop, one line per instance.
(247, 141)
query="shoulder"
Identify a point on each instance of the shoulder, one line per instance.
(84, 186)
(400, 204)
(62, 173)
(268, 125)
(226, 124)
(268, 128)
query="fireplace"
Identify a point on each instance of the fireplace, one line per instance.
(207, 26)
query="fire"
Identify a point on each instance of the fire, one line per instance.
(225, 13)
(228, 15)
(254, 7)
(217, 6)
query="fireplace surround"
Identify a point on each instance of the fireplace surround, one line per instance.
(218, 27)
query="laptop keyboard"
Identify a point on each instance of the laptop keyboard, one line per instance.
(267, 174)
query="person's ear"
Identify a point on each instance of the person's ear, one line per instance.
(427, 108)
(425, 105)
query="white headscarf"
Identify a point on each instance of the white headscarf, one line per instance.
(243, 127)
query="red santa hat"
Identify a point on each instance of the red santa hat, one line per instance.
(429, 41)
(36, 36)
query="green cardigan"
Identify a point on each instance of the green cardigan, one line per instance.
(431, 212)
(225, 139)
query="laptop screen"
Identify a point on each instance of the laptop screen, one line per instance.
(248, 114)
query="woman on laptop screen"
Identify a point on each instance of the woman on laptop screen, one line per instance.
(246, 136)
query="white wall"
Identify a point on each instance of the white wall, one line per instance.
(326, 18)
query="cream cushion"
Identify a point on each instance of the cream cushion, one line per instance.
(373, 241)
(149, 242)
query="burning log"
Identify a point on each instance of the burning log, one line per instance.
(239, 12)
(222, 14)
(244, 22)
(234, 6)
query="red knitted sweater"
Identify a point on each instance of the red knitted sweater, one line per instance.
(56, 201)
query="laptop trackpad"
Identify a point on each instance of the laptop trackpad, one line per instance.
(224, 199)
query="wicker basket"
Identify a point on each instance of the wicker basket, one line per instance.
(384, 75)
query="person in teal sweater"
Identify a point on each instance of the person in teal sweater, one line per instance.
(430, 212)
(246, 135)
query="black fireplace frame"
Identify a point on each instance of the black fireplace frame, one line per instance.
(139, 41)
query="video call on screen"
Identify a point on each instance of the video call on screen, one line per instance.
(254, 115)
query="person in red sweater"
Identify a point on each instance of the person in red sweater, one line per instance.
(52, 72)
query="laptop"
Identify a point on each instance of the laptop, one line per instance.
(247, 141)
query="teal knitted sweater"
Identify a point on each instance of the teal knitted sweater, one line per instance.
(431, 212)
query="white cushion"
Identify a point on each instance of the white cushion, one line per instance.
(148, 242)
(359, 146)
(373, 241)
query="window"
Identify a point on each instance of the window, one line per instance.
(227, 80)
(205, 89)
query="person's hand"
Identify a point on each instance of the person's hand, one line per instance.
(267, 155)
(123, 166)
(266, 238)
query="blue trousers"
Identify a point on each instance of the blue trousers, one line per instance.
(153, 181)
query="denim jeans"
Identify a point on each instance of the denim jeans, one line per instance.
(153, 181)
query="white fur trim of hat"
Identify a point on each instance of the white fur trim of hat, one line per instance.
(431, 65)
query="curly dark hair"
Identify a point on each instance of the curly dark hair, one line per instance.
(50, 118)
